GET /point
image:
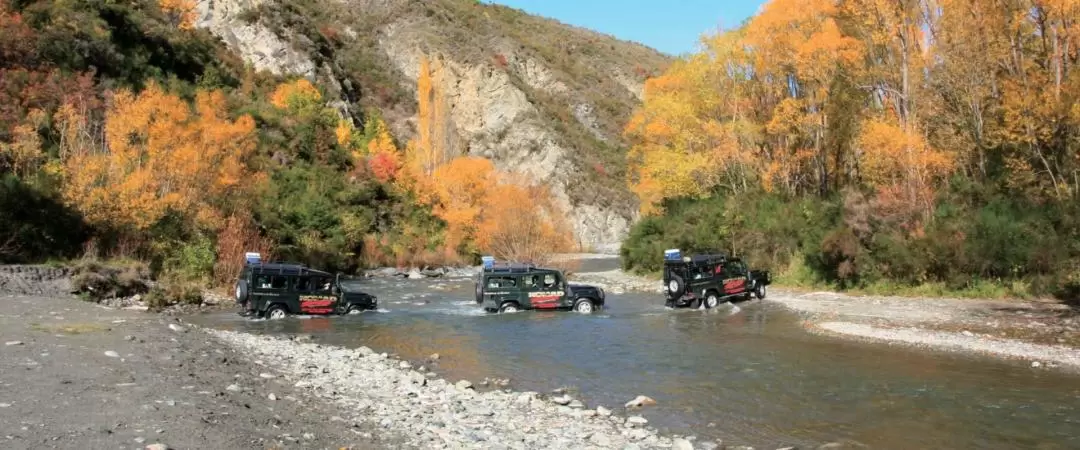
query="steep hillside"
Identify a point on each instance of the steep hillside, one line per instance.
(535, 96)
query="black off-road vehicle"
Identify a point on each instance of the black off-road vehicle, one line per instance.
(508, 288)
(275, 290)
(710, 279)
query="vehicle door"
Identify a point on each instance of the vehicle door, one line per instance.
(316, 295)
(269, 288)
(734, 278)
(544, 290)
(502, 287)
(700, 278)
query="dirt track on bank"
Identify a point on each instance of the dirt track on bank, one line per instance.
(77, 375)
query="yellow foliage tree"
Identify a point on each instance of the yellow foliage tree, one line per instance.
(24, 153)
(299, 96)
(162, 156)
(180, 12)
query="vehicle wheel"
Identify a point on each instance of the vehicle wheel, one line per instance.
(276, 312)
(479, 293)
(760, 292)
(712, 300)
(241, 291)
(509, 307)
(584, 306)
(676, 286)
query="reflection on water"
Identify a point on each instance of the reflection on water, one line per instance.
(747, 374)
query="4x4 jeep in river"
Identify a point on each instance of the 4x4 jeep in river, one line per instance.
(710, 279)
(274, 290)
(508, 288)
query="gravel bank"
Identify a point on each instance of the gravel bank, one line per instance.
(76, 375)
(1043, 334)
(1039, 355)
(433, 413)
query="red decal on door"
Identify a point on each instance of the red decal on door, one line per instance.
(735, 286)
(317, 305)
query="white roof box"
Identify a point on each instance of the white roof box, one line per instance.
(253, 257)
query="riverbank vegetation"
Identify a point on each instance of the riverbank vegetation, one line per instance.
(872, 145)
(127, 133)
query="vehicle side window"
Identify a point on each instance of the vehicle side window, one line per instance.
(279, 282)
(320, 284)
(501, 282)
(262, 282)
(551, 281)
(303, 284)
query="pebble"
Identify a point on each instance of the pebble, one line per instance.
(112, 354)
(267, 375)
(157, 447)
(433, 357)
(681, 444)
(561, 400)
(463, 384)
(602, 411)
(129, 338)
(139, 440)
(640, 401)
(636, 421)
(233, 388)
(5, 405)
(11, 343)
(272, 397)
(1036, 364)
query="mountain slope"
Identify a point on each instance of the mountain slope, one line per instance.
(535, 96)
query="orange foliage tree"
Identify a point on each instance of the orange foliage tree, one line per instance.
(161, 156)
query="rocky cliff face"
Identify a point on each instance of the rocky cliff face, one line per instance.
(535, 96)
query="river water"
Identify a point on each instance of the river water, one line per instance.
(747, 374)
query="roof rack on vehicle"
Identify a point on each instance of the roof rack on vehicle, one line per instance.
(489, 265)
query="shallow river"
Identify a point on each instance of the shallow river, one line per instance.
(746, 374)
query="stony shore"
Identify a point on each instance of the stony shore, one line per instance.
(408, 400)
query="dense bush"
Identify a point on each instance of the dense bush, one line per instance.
(97, 280)
(979, 242)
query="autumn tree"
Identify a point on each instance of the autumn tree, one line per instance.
(161, 155)
(433, 146)
(180, 12)
(521, 223)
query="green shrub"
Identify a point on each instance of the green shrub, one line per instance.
(97, 280)
(984, 244)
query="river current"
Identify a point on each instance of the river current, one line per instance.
(748, 373)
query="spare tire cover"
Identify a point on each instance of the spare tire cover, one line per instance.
(676, 285)
(241, 291)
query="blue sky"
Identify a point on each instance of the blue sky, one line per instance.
(671, 26)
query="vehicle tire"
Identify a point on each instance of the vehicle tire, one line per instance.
(584, 306)
(712, 300)
(479, 293)
(276, 311)
(760, 292)
(509, 307)
(241, 291)
(676, 286)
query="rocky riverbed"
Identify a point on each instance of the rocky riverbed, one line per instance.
(409, 399)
